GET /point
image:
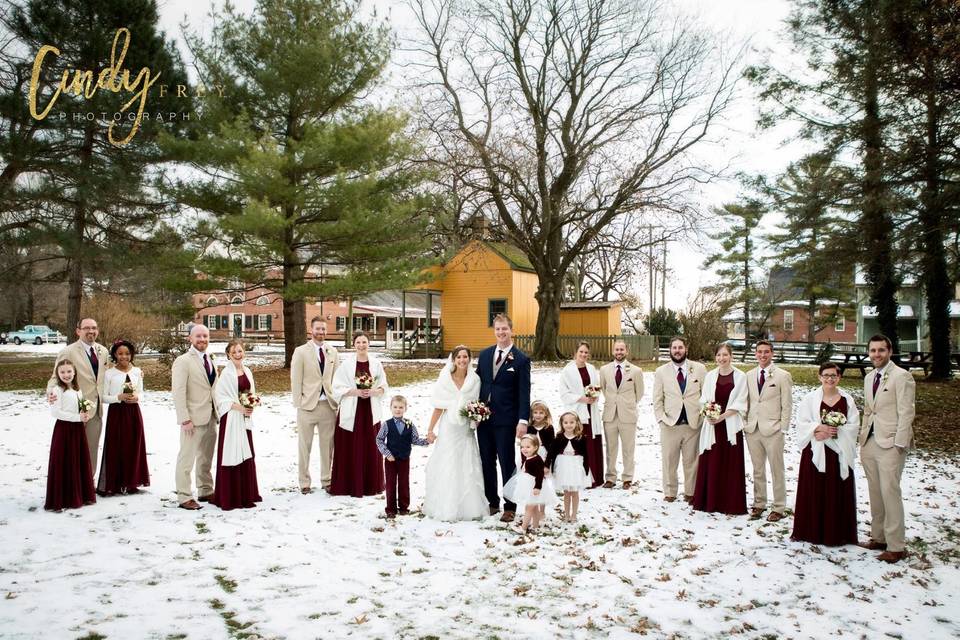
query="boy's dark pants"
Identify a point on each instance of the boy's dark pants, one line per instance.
(397, 475)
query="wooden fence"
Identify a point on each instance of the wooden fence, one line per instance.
(601, 347)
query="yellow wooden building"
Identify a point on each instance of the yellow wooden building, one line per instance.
(487, 278)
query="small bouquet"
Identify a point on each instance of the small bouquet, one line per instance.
(833, 419)
(364, 381)
(592, 391)
(476, 412)
(128, 388)
(84, 405)
(249, 400)
(711, 410)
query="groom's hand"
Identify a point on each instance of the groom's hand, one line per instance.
(521, 429)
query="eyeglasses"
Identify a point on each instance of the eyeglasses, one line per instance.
(829, 376)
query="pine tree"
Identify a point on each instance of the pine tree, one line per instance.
(67, 191)
(301, 169)
(812, 241)
(738, 262)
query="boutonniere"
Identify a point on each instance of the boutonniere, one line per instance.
(510, 356)
(886, 376)
(406, 422)
(626, 367)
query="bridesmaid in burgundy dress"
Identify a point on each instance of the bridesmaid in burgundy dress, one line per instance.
(357, 463)
(236, 485)
(69, 476)
(721, 487)
(575, 377)
(123, 467)
(826, 510)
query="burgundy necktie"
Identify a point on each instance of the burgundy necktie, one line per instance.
(323, 361)
(499, 356)
(681, 380)
(208, 368)
(94, 362)
(763, 380)
(876, 383)
(619, 377)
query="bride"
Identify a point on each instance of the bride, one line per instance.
(454, 479)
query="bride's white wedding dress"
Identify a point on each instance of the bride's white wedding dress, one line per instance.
(454, 479)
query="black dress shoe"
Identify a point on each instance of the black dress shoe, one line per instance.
(494, 511)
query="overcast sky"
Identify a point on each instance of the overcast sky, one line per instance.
(759, 21)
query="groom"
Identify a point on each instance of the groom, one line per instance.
(504, 374)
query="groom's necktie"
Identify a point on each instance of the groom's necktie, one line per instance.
(619, 377)
(876, 383)
(763, 380)
(499, 356)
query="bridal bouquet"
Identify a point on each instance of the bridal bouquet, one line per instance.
(591, 391)
(711, 410)
(249, 400)
(476, 412)
(364, 381)
(84, 406)
(129, 387)
(833, 419)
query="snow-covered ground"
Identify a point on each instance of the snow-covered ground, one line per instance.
(322, 567)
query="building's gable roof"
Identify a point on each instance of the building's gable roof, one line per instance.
(514, 256)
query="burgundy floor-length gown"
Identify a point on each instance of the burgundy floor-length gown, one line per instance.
(826, 511)
(357, 463)
(594, 445)
(69, 476)
(236, 487)
(123, 466)
(721, 487)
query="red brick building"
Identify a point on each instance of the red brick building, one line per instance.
(791, 323)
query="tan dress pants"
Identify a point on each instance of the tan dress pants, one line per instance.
(321, 420)
(196, 451)
(619, 435)
(884, 468)
(767, 449)
(676, 442)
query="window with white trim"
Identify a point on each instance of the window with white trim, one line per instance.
(212, 321)
(841, 324)
(341, 324)
(237, 301)
(788, 319)
(263, 301)
(264, 321)
(212, 301)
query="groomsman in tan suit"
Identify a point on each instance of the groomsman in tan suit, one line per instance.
(90, 359)
(768, 418)
(676, 405)
(311, 380)
(886, 434)
(622, 385)
(192, 386)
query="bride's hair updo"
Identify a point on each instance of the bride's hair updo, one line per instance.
(456, 351)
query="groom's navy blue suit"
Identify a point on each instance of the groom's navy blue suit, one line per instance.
(508, 396)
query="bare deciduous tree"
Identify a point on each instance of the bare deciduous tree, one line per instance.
(568, 114)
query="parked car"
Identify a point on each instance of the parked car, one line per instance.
(3, 337)
(35, 334)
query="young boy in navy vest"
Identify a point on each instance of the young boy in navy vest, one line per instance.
(395, 441)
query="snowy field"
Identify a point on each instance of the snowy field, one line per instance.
(322, 567)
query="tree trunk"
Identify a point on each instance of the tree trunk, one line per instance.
(746, 293)
(75, 272)
(811, 322)
(292, 316)
(875, 220)
(548, 320)
(348, 330)
(936, 280)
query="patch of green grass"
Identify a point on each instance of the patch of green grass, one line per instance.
(226, 583)
(93, 635)
(201, 527)
(176, 636)
(216, 604)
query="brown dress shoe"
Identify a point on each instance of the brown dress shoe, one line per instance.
(306, 490)
(627, 484)
(669, 498)
(190, 505)
(508, 516)
(688, 499)
(755, 513)
(404, 512)
(873, 545)
(206, 498)
(775, 517)
(608, 485)
(892, 556)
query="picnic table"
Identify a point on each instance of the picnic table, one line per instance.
(855, 360)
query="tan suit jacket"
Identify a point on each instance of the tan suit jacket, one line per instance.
(769, 410)
(667, 399)
(192, 391)
(306, 381)
(91, 388)
(891, 412)
(620, 404)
